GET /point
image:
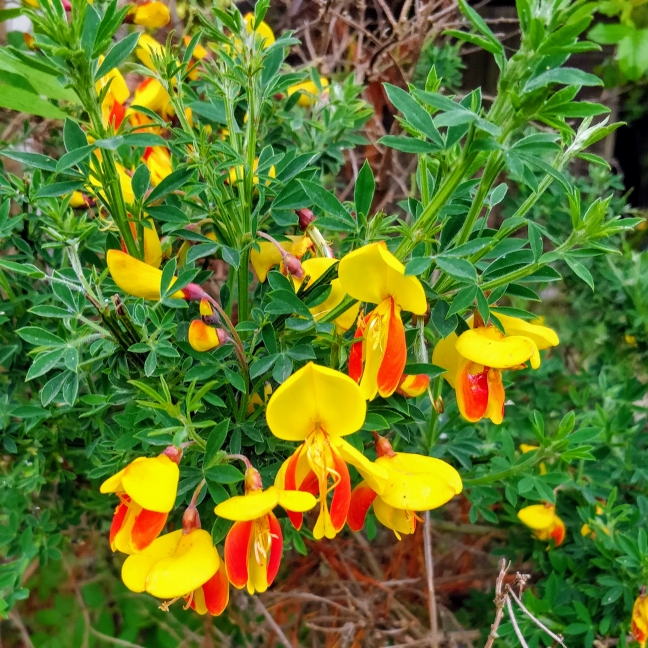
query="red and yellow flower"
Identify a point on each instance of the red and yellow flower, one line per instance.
(158, 161)
(146, 48)
(545, 523)
(372, 274)
(180, 565)
(415, 483)
(639, 623)
(152, 244)
(319, 406)
(149, 14)
(315, 268)
(147, 491)
(268, 257)
(413, 386)
(475, 360)
(254, 544)
(112, 106)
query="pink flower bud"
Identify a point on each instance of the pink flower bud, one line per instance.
(175, 454)
(293, 266)
(190, 519)
(306, 217)
(193, 292)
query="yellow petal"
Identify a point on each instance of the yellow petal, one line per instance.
(257, 572)
(158, 161)
(537, 516)
(372, 273)
(296, 500)
(445, 355)
(147, 45)
(199, 601)
(263, 31)
(151, 14)
(194, 561)
(316, 397)
(525, 447)
(136, 277)
(123, 539)
(267, 256)
(375, 475)
(418, 483)
(309, 91)
(488, 347)
(113, 484)
(151, 94)
(201, 337)
(152, 483)
(250, 506)
(543, 336)
(398, 521)
(137, 567)
(118, 87)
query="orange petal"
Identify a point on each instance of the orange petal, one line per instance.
(362, 498)
(412, 386)
(290, 483)
(118, 518)
(201, 337)
(148, 526)
(393, 364)
(472, 391)
(276, 548)
(341, 494)
(236, 553)
(355, 357)
(216, 592)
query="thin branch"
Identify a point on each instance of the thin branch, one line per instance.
(516, 627)
(24, 634)
(541, 625)
(429, 571)
(271, 622)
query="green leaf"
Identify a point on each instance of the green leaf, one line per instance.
(34, 160)
(73, 136)
(327, 201)
(580, 271)
(564, 76)
(213, 111)
(57, 189)
(8, 14)
(430, 370)
(172, 182)
(415, 115)
(74, 157)
(463, 299)
(118, 53)
(364, 189)
(215, 442)
(143, 140)
(417, 265)
(140, 181)
(632, 54)
(224, 474)
(535, 240)
(609, 34)
(408, 144)
(39, 336)
(23, 101)
(457, 268)
(28, 269)
(443, 324)
(43, 362)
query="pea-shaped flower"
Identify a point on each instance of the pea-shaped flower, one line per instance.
(147, 489)
(639, 623)
(415, 483)
(474, 362)
(180, 565)
(319, 406)
(372, 274)
(545, 523)
(254, 544)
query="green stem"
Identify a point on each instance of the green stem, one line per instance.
(524, 466)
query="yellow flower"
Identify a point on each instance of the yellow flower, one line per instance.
(147, 491)
(309, 91)
(545, 523)
(78, 200)
(152, 245)
(318, 406)
(524, 448)
(147, 46)
(158, 161)
(267, 256)
(112, 106)
(180, 565)
(237, 174)
(315, 268)
(254, 545)
(372, 274)
(263, 31)
(125, 183)
(639, 623)
(474, 362)
(149, 14)
(203, 337)
(413, 386)
(415, 483)
(139, 279)
(151, 94)
(631, 340)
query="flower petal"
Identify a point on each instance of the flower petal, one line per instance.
(152, 483)
(413, 386)
(542, 336)
(117, 521)
(472, 390)
(294, 500)
(237, 544)
(341, 494)
(355, 357)
(201, 337)
(267, 256)
(537, 516)
(487, 346)
(397, 520)
(418, 483)
(362, 498)
(250, 506)
(445, 355)
(122, 540)
(193, 563)
(395, 356)
(496, 397)
(372, 273)
(146, 46)
(148, 526)
(276, 549)
(376, 476)
(136, 568)
(315, 397)
(151, 14)
(216, 591)
(113, 484)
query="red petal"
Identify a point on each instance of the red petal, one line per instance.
(395, 357)
(310, 484)
(216, 591)
(276, 549)
(147, 527)
(355, 357)
(472, 392)
(362, 498)
(341, 494)
(117, 114)
(237, 546)
(290, 483)
(118, 518)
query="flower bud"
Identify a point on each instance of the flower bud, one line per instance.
(175, 454)
(207, 313)
(306, 217)
(293, 266)
(383, 447)
(193, 292)
(190, 519)
(253, 479)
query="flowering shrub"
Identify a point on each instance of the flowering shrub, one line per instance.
(164, 378)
